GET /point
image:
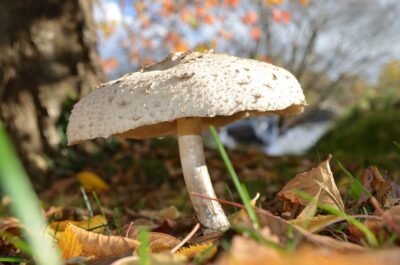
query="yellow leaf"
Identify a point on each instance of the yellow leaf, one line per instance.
(273, 2)
(317, 223)
(69, 244)
(242, 214)
(91, 181)
(194, 250)
(95, 224)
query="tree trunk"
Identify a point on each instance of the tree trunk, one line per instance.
(47, 54)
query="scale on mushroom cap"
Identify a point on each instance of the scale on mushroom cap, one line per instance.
(183, 95)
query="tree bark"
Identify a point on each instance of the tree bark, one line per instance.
(47, 54)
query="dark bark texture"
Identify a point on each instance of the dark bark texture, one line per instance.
(47, 54)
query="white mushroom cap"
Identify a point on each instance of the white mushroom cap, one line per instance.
(218, 87)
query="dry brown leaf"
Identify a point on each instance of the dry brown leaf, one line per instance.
(155, 259)
(278, 231)
(242, 214)
(69, 244)
(311, 182)
(160, 242)
(310, 210)
(94, 244)
(245, 251)
(317, 223)
(377, 226)
(170, 213)
(386, 191)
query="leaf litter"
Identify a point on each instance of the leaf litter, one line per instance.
(310, 236)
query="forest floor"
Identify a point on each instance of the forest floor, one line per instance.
(314, 209)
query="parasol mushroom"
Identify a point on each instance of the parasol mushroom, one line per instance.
(183, 95)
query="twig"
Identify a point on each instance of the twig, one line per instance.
(386, 218)
(129, 229)
(265, 212)
(186, 239)
(236, 204)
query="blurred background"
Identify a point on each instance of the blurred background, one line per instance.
(345, 53)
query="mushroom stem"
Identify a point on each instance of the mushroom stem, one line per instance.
(195, 172)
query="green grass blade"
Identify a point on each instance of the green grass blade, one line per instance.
(355, 181)
(14, 260)
(396, 144)
(144, 248)
(371, 238)
(25, 204)
(242, 192)
(96, 198)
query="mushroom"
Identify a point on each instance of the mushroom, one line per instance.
(183, 95)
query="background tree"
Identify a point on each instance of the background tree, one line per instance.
(48, 53)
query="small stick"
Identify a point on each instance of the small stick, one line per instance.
(129, 229)
(389, 220)
(186, 239)
(265, 212)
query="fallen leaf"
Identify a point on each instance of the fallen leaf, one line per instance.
(194, 250)
(317, 223)
(377, 226)
(168, 213)
(278, 230)
(69, 244)
(95, 224)
(94, 244)
(161, 242)
(242, 214)
(386, 191)
(9, 227)
(248, 252)
(155, 259)
(311, 182)
(91, 181)
(311, 208)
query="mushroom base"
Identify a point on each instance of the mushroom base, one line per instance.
(209, 213)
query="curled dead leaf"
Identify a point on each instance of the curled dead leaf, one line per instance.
(386, 191)
(311, 182)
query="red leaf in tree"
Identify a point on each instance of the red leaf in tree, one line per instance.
(231, 3)
(273, 2)
(250, 18)
(280, 16)
(139, 7)
(208, 19)
(200, 11)
(210, 3)
(109, 64)
(304, 2)
(226, 35)
(255, 33)
(167, 7)
(186, 15)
